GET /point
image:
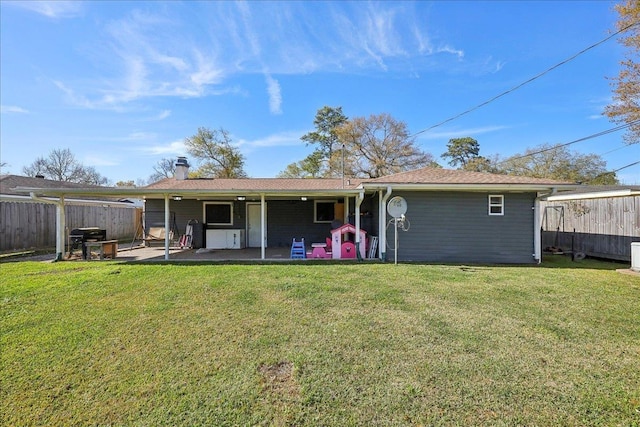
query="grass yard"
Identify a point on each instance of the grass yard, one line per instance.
(105, 343)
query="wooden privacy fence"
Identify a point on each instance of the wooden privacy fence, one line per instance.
(33, 225)
(602, 227)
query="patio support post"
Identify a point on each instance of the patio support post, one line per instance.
(262, 227)
(359, 199)
(345, 219)
(382, 223)
(61, 222)
(167, 237)
(60, 229)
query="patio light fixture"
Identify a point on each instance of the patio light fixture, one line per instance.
(241, 198)
(177, 198)
(303, 198)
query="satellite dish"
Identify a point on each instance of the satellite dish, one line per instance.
(397, 206)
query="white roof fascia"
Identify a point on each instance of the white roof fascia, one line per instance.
(161, 192)
(468, 187)
(593, 195)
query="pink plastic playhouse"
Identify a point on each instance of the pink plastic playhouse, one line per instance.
(347, 249)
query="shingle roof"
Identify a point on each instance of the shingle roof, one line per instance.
(255, 184)
(449, 176)
(421, 176)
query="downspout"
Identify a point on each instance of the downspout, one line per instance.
(537, 241)
(60, 222)
(262, 228)
(359, 199)
(382, 223)
(167, 232)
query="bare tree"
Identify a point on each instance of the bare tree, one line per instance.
(559, 163)
(379, 145)
(61, 165)
(165, 168)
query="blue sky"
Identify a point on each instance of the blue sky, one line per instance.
(121, 84)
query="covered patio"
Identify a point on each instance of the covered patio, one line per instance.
(153, 254)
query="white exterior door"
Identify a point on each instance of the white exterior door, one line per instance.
(253, 225)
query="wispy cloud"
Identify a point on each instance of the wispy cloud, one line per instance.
(99, 161)
(53, 9)
(459, 133)
(157, 54)
(173, 147)
(275, 97)
(12, 109)
(282, 139)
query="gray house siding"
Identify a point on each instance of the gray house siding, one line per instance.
(456, 227)
(289, 219)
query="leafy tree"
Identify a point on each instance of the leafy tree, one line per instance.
(219, 159)
(310, 167)
(559, 163)
(626, 94)
(61, 165)
(483, 164)
(461, 151)
(165, 168)
(327, 121)
(379, 145)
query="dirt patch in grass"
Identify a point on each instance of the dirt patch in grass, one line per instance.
(278, 379)
(281, 393)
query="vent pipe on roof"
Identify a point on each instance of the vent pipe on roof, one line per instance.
(40, 176)
(182, 169)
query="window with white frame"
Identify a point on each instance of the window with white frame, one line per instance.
(496, 204)
(218, 213)
(323, 210)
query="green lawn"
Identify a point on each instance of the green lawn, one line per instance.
(105, 343)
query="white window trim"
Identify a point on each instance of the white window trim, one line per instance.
(204, 213)
(494, 205)
(315, 210)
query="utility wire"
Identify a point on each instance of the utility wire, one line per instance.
(613, 171)
(537, 76)
(615, 149)
(555, 147)
(628, 166)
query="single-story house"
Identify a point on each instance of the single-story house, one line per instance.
(599, 221)
(29, 221)
(451, 215)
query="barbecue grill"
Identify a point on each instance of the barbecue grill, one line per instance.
(78, 236)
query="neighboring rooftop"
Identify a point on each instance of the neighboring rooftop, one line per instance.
(8, 182)
(597, 191)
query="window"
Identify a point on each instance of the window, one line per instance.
(218, 213)
(323, 210)
(496, 205)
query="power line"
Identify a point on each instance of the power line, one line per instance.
(628, 166)
(555, 147)
(613, 171)
(537, 76)
(615, 149)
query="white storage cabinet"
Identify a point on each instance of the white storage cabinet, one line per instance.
(225, 239)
